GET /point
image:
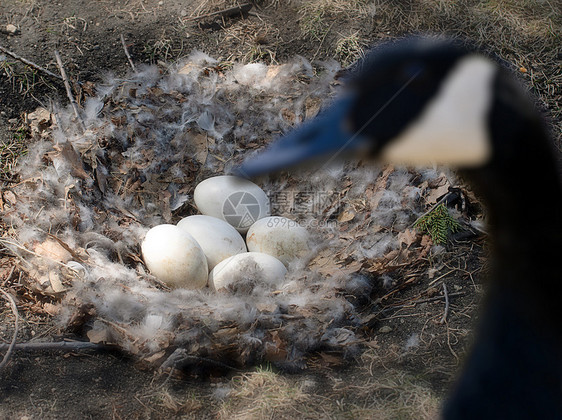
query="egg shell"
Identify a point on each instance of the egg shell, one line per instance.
(278, 236)
(218, 239)
(249, 268)
(235, 200)
(174, 257)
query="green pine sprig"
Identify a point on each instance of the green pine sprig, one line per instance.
(438, 223)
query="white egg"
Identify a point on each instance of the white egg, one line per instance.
(235, 200)
(278, 236)
(217, 238)
(246, 271)
(174, 257)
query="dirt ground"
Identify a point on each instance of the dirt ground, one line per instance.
(412, 356)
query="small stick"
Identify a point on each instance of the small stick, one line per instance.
(9, 276)
(127, 53)
(29, 63)
(10, 347)
(58, 345)
(69, 91)
(180, 357)
(446, 312)
(232, 11)
(440, 277)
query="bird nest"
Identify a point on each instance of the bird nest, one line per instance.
(91, 187)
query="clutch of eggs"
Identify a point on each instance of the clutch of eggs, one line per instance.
(183, 255)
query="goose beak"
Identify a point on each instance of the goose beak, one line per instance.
(323, 137)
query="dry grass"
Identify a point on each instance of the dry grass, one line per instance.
(22, 78)
(349, 49)
(318, 16)
(526, 34)
(266, 394)
(252, 41)
(395, 395)
(11, 151)
(166, 401)
(162, 48)
(392, 395)
(209, 6)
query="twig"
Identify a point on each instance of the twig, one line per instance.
(446, 312)
(10, 347)
(29, 63)
(58, 345)
(440, 277)
(179, 357)
(232, 11)
(69, 91)
(449, 344)
(9, 277)
(127, 53)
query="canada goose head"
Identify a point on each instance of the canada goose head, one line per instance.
(413, 101)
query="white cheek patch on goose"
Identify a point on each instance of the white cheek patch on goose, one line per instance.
(452, 129)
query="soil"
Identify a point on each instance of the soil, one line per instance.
(82, 385)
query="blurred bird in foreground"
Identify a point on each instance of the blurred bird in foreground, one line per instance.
(421, 101)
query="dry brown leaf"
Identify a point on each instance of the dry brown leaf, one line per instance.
(275, 348)
(10, 197)
(440, 188)
(325, 262)
(346, 216)
(312, 107)
(350, 268)
(289, 116)
(408, 237)
(69, 153)
(164, 199)
(272, 72)
(156, 358)
(330, 360)
(426, 241)
(200, 143)
(53, 250)
(99, 336)
(392, 255)
(266, 307)
(39, 120)
(101, 178)
(51, 309)
(377, 266)
(56, 284)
